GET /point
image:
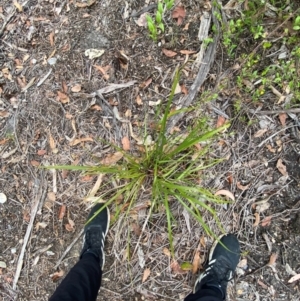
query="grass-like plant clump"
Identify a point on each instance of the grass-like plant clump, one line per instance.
(170, 169)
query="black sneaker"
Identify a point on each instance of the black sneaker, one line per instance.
(221, 266)
(95, 232)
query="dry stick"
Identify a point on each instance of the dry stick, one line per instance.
(26, 238)
(201, 76)
(295, 110)
(68, 249)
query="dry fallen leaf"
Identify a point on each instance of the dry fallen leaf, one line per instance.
(184, 90)
(77, 141)
(260, 133)
(76, 88)
(35, 163)
(196, 262)
(273, 259)
(167, 252)
(103, 71)
(257, 219)
(225, 193)
(62, 97)
(176, 269)
(126, 143)
(41, 152)
(281, 167)
(146, 274)
(62, 212)
(262, 284)
(57, 275)
(187, 51)
(112, 159)
(179, 14)
(139, 100)
(70, 226)
(294, 278)
(266, 221)
(51, 196)
(282, 118)
(18, 6)
(221, 120)
(51, 38)
(52, 143)
(4, 114)
(146, 83)
(85, 4)
(242, 187)
(169, 53)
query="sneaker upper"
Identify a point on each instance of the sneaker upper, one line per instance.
(95, 232)
(223, 260)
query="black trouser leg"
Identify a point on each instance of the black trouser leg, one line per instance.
(205, 294)
(82, 283)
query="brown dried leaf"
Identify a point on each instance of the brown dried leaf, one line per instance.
(76, 88)
(260, 133)
(281, 167)
(273, 259)
(35, 163)
(179, 14)
(146, 83)
(167, 252)
(62, 212)
(85, 4)
(139, 100)
(70, 226)
(257, 219)
(3, 141)
(103, 71)
(96, 108)
(136, 229)
(64, 86)
(266, 221)
(80, 140)
(41, 152)
(52, 142)
(226, 193)
(126, 143)
(51, 196)
(184, 90)
(196, 262)
(176, 269)
(146, 274)
(62, 97)
(242, 187)
(294, 278)
(187, 51)
(51, 38)
(4, 114)
(221, 120)
(57, 275)
(169, 53)
(271, 149)
(282, 118)
(262, 284)
(112, 159)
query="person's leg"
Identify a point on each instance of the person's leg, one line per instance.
(84, 279)
(211, 284)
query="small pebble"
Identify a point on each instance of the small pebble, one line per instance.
(3, 198)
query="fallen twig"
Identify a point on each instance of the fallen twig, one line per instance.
(201, 76)
(113, 87)
(68, 249)
(294, 110)
(26, 238)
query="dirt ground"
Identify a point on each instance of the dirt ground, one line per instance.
(51, 115)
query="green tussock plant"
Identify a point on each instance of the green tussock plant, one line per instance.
(169, 169)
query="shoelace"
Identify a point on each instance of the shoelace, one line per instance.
(215, 269)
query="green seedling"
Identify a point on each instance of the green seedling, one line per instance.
(156, 24)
